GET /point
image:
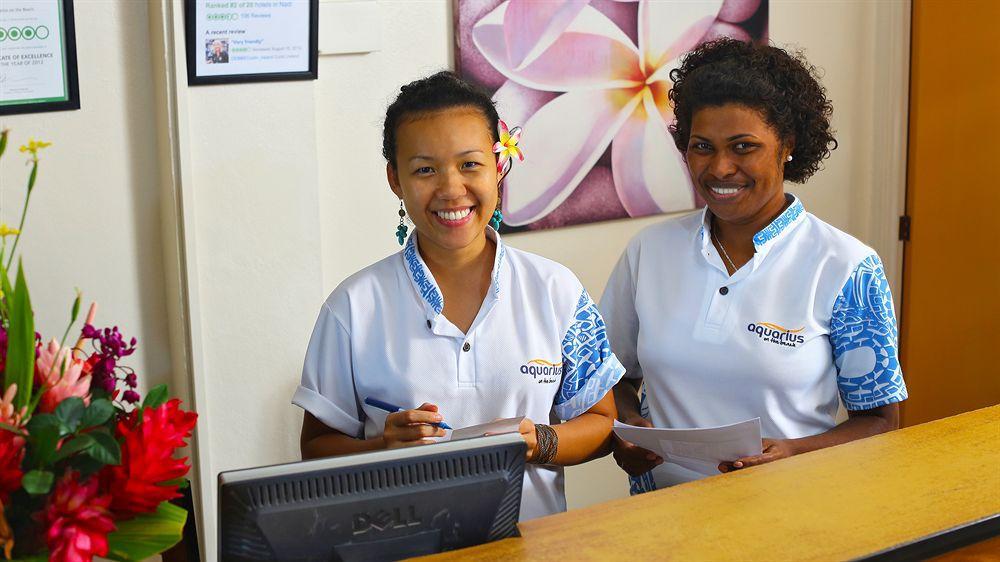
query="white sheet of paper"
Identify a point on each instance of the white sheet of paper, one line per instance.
(508, 425)
(698, 449)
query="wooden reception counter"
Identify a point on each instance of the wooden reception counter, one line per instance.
(840, 503)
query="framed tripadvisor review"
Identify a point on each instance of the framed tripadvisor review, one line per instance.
(37, 56)
(250, 40)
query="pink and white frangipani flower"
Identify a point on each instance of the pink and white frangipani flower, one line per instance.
(615, 92)
(507, 146)
(61, 376)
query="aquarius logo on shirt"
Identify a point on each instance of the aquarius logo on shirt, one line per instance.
(543, 371)
(776, 334)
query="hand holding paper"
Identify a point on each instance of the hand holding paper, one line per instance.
(774, 449)
(632, 458)
(702, 449)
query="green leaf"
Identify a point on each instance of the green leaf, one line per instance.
(147, 535)
(70, 411)
(85, 465)
(45, 441)
(73, 446)
(105, 448)
(40, 421)
(155, 397)
(38, 482)
(20, 369)
(98, 413)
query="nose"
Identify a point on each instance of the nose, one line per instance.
(450, 185)
(721, 165)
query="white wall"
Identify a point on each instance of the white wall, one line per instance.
(94, 219)
(232, 211)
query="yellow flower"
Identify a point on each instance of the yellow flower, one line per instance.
(6, 231)
(34, 146)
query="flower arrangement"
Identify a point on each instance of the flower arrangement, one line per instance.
(87, 465)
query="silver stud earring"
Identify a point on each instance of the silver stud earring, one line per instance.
(789, 158)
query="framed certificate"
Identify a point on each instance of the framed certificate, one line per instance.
(37, 56)
(251, 40)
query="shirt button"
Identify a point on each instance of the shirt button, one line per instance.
(723, 290)
(466, 347)
(428, 324)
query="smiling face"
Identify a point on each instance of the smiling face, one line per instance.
(736, 161)
(446, 175)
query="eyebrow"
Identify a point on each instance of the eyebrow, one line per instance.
(463, 153)
(732, 138)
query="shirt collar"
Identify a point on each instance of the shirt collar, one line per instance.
(424, 283)
(766, 238)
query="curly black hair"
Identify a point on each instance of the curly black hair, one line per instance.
(443, 90)
(783, 86)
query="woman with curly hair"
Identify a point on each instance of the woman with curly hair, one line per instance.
(751, 307)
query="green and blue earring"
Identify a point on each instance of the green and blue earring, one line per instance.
(496, 220)
(402, 229)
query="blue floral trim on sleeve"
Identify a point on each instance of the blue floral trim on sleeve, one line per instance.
(864, 339)
(644, 482)
(590, 370)
(421, 278)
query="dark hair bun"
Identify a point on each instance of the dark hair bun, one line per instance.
(443, 90)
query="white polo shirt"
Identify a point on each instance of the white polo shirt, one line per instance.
(807, 319)
(538, 348)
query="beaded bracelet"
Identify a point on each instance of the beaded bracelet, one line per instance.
(548, 444)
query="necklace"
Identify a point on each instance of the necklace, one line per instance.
(723, 248)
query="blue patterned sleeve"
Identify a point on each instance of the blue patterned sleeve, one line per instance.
(864, 339)
(590, 370)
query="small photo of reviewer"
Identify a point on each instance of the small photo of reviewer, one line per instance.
(217, 51)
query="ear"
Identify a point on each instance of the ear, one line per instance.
(788, 149)
(392, 176)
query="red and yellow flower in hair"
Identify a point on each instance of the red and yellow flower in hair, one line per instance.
(507, 147)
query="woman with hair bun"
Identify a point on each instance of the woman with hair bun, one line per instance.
(751, 307)
(457, 327)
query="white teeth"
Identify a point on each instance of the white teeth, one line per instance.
(725, 190)
(453, 215)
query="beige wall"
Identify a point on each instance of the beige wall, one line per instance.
(231, 211)
(94, 220)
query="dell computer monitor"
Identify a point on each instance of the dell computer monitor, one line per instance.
(383, 505)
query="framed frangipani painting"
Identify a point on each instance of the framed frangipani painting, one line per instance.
(587, 80)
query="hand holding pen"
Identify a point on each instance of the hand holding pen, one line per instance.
(405, 428)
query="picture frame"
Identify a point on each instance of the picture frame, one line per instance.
(243, 41)
(50, 82)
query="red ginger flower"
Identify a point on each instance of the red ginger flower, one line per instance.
(78, 520)
(11, 455)
(137, 485)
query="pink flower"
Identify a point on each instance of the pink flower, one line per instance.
(61, 376)
(78, 520)
(614, 93)
(8, 413)
(507, 147)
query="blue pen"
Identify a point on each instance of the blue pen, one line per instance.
(392, 409)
